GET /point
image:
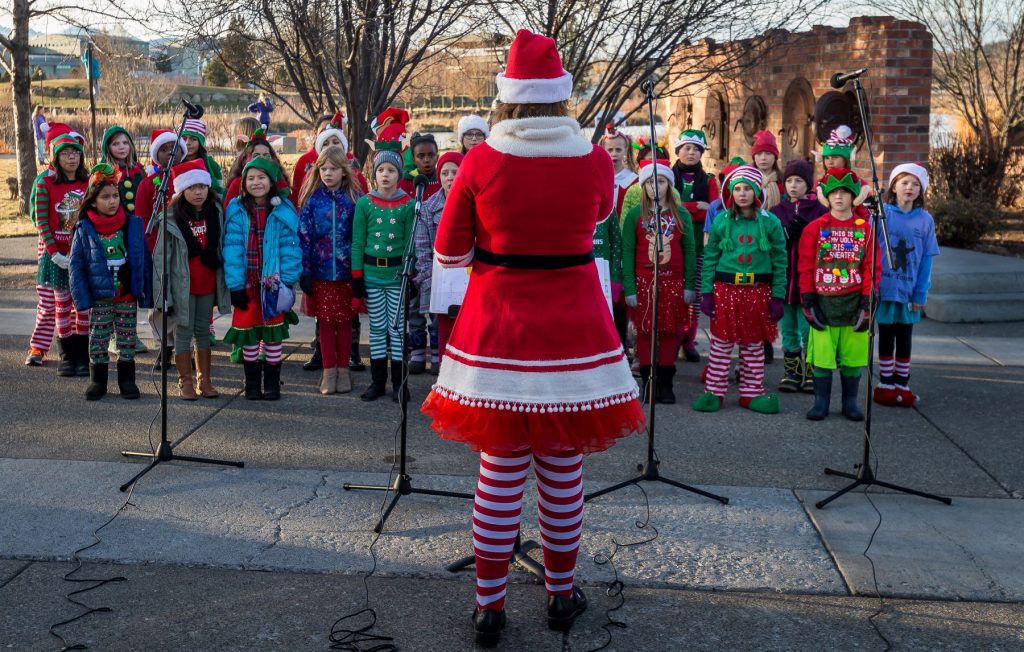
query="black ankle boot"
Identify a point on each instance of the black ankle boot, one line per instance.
(66, 356)
(126, 379)
(165, 356)
(252, 381)
(81, 355)
(822, 397)
(316, 361)
(666, 375)
(851, 386)
(271, 381)
(97, 388)
(488, 624)
(563, 610)
(378, 380)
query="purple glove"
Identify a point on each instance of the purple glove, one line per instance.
(775, 309)
(707, 304)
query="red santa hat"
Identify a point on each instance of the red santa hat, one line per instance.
(160, 137)
(764, 141)
(336, 128)
(188, 174)
(534, 72)
(915, 169)
(662, 168)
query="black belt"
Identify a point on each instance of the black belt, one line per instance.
(373, 261)
(742, 278)
(528, 261)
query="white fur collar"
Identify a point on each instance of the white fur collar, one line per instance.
(539, 137)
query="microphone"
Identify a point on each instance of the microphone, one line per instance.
(839, 79)
(194, 111)
(420, 183)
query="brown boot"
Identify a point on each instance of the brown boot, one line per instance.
(344, 381)
(328, 380)
(186, 384)
(206, 388)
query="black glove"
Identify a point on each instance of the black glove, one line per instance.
(306, 283)
(863, 320)
(812, 311)
(240, 299)
(124, 277)
(413, 291)
(870, 203)
(358, 288)
(453, 310)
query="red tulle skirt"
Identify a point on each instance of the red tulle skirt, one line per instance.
(741, 314)
(673, 313)
(505, 431)
(331, 301)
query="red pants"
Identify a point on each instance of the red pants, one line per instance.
(667, 346)
(335, 342)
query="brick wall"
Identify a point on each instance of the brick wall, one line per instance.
(795, 72)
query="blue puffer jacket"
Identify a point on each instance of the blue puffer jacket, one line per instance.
(281, 252)
(91, 280)
(325, 235)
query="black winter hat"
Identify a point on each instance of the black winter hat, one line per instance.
(800, 168)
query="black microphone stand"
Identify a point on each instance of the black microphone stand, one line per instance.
(865, 475)
(649, 469)
(165, 451)
(402, 484)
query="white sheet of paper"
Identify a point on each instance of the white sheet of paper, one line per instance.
(604, 272)
(447, 287)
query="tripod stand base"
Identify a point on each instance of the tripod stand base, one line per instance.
(402, 486)
(649, 473)
(165, 453)
(520, 557)
(865, 477)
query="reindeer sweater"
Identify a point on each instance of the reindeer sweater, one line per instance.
(678, 261)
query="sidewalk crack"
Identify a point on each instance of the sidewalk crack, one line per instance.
(284, 513)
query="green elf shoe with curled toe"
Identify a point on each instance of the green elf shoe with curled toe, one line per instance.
(764, 404)
(708, 402)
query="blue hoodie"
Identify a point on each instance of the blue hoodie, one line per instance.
(912, 241)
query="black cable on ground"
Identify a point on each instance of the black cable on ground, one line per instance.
(874, 576)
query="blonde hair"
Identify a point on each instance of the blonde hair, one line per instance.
(630, 157)
(332, 154)
(647, 204)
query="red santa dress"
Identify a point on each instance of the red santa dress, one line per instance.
(534, 360)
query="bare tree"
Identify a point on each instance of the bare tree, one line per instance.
(135, 87)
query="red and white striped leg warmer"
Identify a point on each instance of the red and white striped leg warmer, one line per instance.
(65, 309)
(716, 380)
(46, 319)
(272, 352)
(902, 367)
(751, 370)
(251, 352)
(81, 322)
(560, 507)
(497, 510)
(886, 366)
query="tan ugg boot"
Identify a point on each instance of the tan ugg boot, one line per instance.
(328, 381)
(186, 384)
(343, 384)
(206, 388)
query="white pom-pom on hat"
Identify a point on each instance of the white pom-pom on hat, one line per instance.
(275, 201)
(844, 131)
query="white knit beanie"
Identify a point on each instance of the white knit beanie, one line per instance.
(470, 122)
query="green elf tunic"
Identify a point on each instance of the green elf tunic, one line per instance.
(381, 229)
(608, 245)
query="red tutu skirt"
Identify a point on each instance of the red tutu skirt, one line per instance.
(331, 301)
(506, 429)
(741, 314)
(673, 313)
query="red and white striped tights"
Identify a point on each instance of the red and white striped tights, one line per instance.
(56, 311)
(751, 368)
(497, 510)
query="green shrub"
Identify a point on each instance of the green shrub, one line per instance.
(962, 222)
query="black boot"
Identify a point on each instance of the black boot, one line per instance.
(792, 373)
(66, 356)
(822, 397)
(563, 610)
(378, 380)
(488, 624)
(316, 361)
(164, 357)
(665, 377)
(355, 359)
(397, 371)
(252, 381)
(271, 381)
(769, 353)
(81, 355)
(126, 379)
(645, 379)
(97, 388)
(851, 385)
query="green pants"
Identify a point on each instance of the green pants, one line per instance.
(106, 318)
(794, 328)
(852, 347)
(200, 309)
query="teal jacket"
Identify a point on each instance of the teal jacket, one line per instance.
(281, 252)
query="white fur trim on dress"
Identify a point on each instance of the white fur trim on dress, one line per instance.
(163, 139)
(189, 179)
(605, 380)
(468, 122)
(910, 168)
(539, 137)
(327, 133)
(534, 91)
(456, 261)
(647, 171)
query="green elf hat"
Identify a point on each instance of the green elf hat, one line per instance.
(196, 128)
(272, 170)
(389, 129)
(693, 137)
(839, 143)
(103, 173)
(837, 178)
(63, 140)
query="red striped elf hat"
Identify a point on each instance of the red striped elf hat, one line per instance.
(749, 175)
(534, 72)
(196, 128)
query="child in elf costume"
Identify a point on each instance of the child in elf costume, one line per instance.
(644, 152)
(119, 150)
(56, 201)
(111, 277)
(743, 282)
(381, 229)
(256, 147)
(261, 257)
(904, 285)
(838, 264)
(697, 189)
(839, 151)
(676, 281)
(194, 135)
(798, 209)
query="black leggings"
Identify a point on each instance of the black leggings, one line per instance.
(894, 336)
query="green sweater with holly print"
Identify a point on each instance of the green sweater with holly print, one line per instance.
(608, 245)
(740, 245)
(381, 228)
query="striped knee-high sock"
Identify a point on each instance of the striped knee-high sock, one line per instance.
(251, 353)
(886, 368)
(719, 361)
(902, 370)
(46, 319)
(272, 352)
(66, 320)
(560, 507)
(497, 510)
(752, 370)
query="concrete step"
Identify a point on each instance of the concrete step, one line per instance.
(958, 271)
(976, 307)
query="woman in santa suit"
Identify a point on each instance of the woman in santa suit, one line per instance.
(534, 371)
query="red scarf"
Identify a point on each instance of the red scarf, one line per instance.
(107, 226)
